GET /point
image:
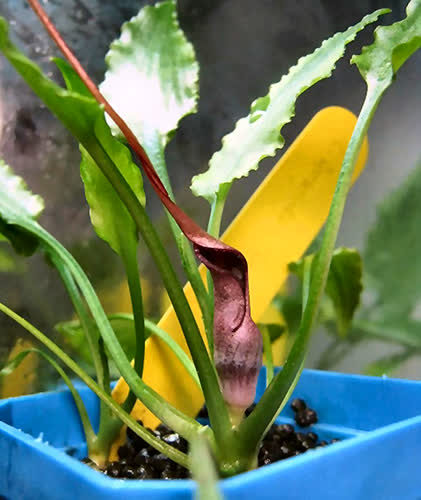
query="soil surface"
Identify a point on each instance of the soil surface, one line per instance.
(138, 460)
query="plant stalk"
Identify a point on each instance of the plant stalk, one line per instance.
(254, 427)
(158, 444)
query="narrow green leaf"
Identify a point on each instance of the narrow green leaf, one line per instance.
(12, 364)
(176, 455)
(343, 286)
(267, 352)
(258, 135)
(123, 327)
(387, 364)
(82, 115)
(17, 201)
(203, 468)
(73, 338)
(379, 62)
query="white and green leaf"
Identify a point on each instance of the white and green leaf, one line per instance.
(258, 135)
(379, 62)
(152, 78)
(17, 203)
(109, 216)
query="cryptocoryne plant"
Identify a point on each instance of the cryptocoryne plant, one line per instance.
(149, 86)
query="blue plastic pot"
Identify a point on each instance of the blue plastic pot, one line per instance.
(379, 457)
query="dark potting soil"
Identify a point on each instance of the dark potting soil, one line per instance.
(138, 460)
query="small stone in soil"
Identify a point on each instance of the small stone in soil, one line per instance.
(306, 417)
(298, 404)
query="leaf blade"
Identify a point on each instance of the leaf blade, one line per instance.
(17, 202)
(379, 62)
(343, 286)
(393, 242)
(154, 55)
(258, 135)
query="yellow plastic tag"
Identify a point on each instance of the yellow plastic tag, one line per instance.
(23, 378)
(274, 228)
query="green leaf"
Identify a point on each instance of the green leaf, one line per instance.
(274, 330)
(158, 444)
(109, 216)
(16, 201)
(388, 364)
(290, 306)
(7, 264)
(123, 327)
(392, 261)
(203, 468)
(258, 135)
(343, 286)
(379, 62)
(85, 119)
(74, 337)
(152, 78)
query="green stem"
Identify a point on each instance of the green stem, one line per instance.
(133, 278)
(267, 351)
(85, 320)
(218, 413)
(109, 423)
(253, 428)
(135, 289)
(110, 427)
(154, 329)
(203, 469)
(174, 418)
(214, 228)
(158, 444)
(81, 408)
(188, 259)
(100, 444)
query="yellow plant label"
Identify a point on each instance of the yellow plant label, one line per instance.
(274, 228)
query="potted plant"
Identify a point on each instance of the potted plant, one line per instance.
(226, 371)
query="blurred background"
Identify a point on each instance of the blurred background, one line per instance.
(242, 47)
